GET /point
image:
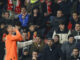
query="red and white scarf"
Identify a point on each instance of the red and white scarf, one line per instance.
(10, 5)
(18, 7)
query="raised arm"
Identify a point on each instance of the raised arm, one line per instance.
(24, 44)
(17, 37)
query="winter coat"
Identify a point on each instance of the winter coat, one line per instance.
(67, 49)
(56, 21)
(52, 53)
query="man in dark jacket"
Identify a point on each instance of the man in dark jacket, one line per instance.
(76, 32)
(75, 54)
(6, 19)
(51, 52)
(74, 19)
(25, 55)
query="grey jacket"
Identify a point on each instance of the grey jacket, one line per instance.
(67, 49)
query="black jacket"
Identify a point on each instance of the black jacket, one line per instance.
(73, 58)
(53, 53)
(56, 21)
(25, 57)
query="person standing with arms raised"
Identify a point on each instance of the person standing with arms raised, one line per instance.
(11, 43)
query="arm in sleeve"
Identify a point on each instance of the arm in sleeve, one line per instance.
(24, 44)
(63, 48)
(17, 37)
(54, 33)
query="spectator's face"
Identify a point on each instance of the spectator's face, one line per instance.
(32, 28)
(56, 39)
(77, 27)
(23, 10)
(6, 15)
(59, 14)
(49, 42)
(75, 16)
(26, 53)
(61, 26)
(2, 26)
(71, 39)
(35, 10)
(38, 39)
(45, 14)
(75, 52)
(35, 54)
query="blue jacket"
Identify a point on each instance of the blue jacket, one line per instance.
(24, 22)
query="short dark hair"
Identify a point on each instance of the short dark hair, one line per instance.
(77, 23)
(76, 48)
(75, 12)
(35, 50)
(5, 12)
(70, 36)
(61, 23)
(60, 10)
(57, 36)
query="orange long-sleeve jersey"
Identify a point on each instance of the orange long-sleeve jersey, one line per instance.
(11, 46)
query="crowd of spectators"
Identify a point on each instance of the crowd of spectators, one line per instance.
(55, 24)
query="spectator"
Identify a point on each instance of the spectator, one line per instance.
(56, 41)
(25, 36)
(59, 18)
(24, 17)
(6, 18)
(76, 32)
(68, 46)
(25, 55)
(75, 54)
(36, 18)
(51, 52)
(31, 32)
(62, 32)
(37, 21)
(39, 45)
(74, 19)
(61, 6)
(35, 55)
